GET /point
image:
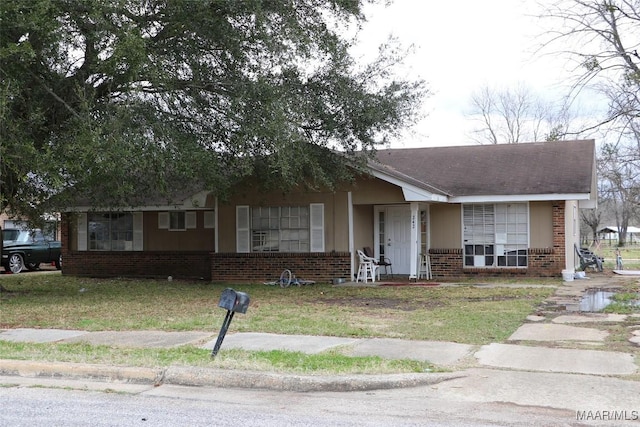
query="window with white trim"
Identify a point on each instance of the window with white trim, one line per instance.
(110, 231)
(280, 228)
(177, 220)
(496, 235)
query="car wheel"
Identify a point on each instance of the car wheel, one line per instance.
(16, 263)
(59, 262)
(31, 266)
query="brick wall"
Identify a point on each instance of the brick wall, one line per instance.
(267, 266)
(186, 265)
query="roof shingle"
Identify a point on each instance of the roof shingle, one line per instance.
(506, 169)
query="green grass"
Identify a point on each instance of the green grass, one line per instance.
(630, 256)
(624, 303)
(464, 314)
(275, 361)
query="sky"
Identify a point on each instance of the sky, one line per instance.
(462, 46)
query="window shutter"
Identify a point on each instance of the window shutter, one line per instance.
(82, 231)
(242, 229)
(138, 243)
(209, 219)
(163, 220)
(316, 213)
(190, 220)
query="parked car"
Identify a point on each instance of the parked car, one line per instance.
(28, 249)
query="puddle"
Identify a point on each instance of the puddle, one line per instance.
(595, 300)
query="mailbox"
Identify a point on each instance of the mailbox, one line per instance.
(234, 301)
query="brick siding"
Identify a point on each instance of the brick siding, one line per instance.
(192, 265)
(267, 266)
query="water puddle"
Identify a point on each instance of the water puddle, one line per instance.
(595, 300)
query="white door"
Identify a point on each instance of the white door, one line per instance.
(398, 238)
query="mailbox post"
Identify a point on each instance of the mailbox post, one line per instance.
(232, 301)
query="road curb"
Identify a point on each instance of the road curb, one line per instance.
(201, 377)
(190, 376)
(94, 372)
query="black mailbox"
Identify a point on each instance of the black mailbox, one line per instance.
(234, 301)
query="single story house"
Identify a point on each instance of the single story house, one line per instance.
(482, 210)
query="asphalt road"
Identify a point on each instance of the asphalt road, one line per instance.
(65, 403)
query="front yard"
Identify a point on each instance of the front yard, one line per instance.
(462, 313)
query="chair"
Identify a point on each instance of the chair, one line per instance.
(588, 259)
(367, 268)
(382, 262)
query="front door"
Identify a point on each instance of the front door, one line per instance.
(398, 238)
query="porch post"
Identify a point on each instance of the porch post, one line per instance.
(350, 219)
(571, 234)
(415, 220)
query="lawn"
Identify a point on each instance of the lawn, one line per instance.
(459, 313)
(630, 256)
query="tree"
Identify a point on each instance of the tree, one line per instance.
(510, 116)
(601, 37)
(114, 99)
(619, 171)
(592, 218)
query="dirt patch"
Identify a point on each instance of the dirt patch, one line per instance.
(409, 284)
(498, 298)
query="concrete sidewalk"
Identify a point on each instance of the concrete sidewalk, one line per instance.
(447, 355)
(518, 354)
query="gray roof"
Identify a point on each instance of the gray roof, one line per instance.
(563, 167)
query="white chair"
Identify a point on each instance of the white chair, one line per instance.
(367, 268)
(382, 262)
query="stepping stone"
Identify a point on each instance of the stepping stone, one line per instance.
(552, 332)
(583, 318)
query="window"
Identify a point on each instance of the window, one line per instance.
(381, 235)
(110, 231)
(496, 235)
(280, 229)
(424, 232)
(176, 221)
